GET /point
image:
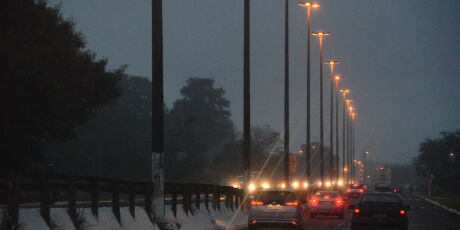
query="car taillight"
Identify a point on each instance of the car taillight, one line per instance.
(394, 190)
(348, 190)
(253, 222)
(338, 202)
(402, 212)
(293, 222)
(295, 203)
(361, 191)
(313, 201)
(257, 203)
(356, 210)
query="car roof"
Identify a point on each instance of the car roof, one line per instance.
(275, 190)
(327, 192)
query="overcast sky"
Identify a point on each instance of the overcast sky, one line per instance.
(400, 59)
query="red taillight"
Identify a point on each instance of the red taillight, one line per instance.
(314, 201)
(402, 212)
(394, 190)
(357, 211)
(295, 203)
(257, 203)
(293, 222)
(253, 222)
(348, 190)
(361, 191)
(338, 202)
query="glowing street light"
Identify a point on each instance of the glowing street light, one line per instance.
(337, 79)
(331, 144)
(344, 117)
(320, 35)
(308, 5)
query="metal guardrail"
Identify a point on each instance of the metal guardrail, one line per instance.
(175, 194)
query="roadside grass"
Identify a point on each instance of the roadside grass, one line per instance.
(452, 202)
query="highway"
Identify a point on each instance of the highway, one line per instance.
(422, 216)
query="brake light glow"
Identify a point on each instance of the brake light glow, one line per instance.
(257, 203)
(295, 203)
(402, 212)
(314, 201)
(348, 190)
(357, 211)
(361, 191)
(293, 222)
(394, 190)
(338, 202)
(327, 197)
(253, 222)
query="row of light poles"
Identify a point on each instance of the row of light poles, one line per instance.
(348, 118)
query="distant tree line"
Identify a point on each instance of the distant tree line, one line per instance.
(440, 159)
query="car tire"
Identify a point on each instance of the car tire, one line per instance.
(312, 215)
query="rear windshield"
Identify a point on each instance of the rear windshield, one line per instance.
(355, 186)
(275, 196)
(328, 194)
(380, 199)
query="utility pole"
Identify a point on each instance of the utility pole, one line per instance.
(247, 101)
(286, 94)
(157, 109)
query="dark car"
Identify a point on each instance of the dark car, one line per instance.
(275, 208)
(355, 190)
(326, 203)
(383, 188)
(379, 210)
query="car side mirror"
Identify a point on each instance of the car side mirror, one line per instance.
(351, 206)
(407, 207)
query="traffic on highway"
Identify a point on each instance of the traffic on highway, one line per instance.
(337, 210)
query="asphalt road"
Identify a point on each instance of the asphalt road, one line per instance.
(422, 216)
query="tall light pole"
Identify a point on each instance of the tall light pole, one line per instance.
(353, 141)
(320, 35)
(331, 144)
(308, 5)
(348, 101)
(344, 92)
(350, 155)
(247, 101)
(157, 106)
(337, 78)
(286, 93)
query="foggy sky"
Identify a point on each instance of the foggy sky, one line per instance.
(399, 59)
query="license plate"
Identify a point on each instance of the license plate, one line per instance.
(274, 206)
(380, 215)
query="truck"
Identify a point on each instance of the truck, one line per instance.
(382, 175)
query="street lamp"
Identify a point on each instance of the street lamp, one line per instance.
(344, 92)
(337, 78)
(320, 35)
(353, 115)
(308, 5)
(331, 165)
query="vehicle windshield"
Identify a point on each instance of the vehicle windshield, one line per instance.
(327, 195)
(275, 196)
(380, 199)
